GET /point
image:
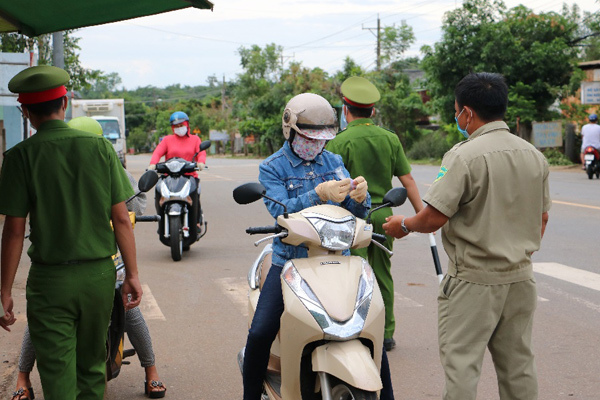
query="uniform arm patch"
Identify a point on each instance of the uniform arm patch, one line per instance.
(440, 175)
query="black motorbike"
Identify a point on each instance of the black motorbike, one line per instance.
(177, 201)
(116, 330)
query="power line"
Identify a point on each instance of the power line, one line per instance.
(328, 36)
(188, 35)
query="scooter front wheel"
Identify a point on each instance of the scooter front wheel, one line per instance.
(343, 391)
(176, 240)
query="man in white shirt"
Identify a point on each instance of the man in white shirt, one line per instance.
(590, 135)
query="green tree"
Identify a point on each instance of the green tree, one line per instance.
(350, 68)
(395, 40)
(400, 106)
(532, 51)
(81, 78)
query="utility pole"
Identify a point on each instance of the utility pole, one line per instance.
(378, 36)
(58, 50)
(283, 58)
(223, 94)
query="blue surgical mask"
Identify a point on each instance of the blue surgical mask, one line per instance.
(343, 121)
(461, 130)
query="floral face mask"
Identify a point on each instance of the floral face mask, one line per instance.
(307, 149)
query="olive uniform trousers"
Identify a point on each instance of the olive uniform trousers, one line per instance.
(68, 311)
(382, 266)
(472, 317)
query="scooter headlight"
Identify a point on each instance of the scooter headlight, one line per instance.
(175, 165)
(333, 329)
(335, 233)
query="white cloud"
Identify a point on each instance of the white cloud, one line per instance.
(187, 46)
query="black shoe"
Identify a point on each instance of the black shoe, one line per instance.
(389, 344)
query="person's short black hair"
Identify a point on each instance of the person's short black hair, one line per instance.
(359, 112)
(45, 108)
(484, 92)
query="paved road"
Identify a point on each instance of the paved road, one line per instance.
(196, 308)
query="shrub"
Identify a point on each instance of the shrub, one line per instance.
(556, 157)
(431, 145)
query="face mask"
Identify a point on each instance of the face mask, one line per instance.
(181, 131)
(307, 149)
(343, 121)
(461, 130)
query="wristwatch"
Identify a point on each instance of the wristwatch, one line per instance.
(404, 228)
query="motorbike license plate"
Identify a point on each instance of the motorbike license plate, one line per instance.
(589, 157)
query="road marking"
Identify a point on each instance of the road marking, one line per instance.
(149, 306)
(236, 289)
(570, 297)
(404, 302)
(575, 204)
(579, 277)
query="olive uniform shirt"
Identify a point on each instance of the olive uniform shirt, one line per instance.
(373, 153)
(66, 180)
(494, 190)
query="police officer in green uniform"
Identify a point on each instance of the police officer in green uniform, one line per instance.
(376, 154)
(71, 185)
(492, 198)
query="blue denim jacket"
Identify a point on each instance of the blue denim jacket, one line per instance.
(292, 181)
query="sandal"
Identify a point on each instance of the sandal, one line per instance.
(155, 394)
(23, 394)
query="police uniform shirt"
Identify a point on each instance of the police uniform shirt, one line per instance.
(494, 189)
(372, 152)
(66, 181)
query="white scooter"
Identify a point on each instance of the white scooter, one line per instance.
(332, 325)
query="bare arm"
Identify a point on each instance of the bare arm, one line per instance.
(412, 190)
(12, 246)
(126, 242)
(545, 218)
(426, 221)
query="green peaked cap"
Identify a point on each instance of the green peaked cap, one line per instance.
(359, 90)
(38, 79)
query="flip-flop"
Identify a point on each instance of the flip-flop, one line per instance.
(19, 393)
(155, 394)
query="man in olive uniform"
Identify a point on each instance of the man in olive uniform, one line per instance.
(492, 198)
(376, 154)
(71, 185)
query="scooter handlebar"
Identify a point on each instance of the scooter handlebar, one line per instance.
(263, 229)
(378, 237)
(147, 218)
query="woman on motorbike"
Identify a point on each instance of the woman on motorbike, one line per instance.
(182, 144)
(135, 325)
(300, 174)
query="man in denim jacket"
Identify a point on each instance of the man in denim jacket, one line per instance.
(300, 175)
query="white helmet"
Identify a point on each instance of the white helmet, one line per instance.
(310, 115)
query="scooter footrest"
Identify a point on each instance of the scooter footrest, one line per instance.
(128, 353)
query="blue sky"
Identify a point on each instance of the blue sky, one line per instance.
(188, 46)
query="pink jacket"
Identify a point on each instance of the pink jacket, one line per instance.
(177, 146)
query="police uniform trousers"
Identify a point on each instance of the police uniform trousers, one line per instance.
(68, 311)
(472, 317)
(382, 266)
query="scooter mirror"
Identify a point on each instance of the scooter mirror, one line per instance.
(205, 145)
(147, 181)
(248, 192)
(395, 196)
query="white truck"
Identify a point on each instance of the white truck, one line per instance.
(111, 115)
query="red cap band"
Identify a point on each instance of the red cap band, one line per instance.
(40, 97)
(358, 104)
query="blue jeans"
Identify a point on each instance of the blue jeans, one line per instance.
(263, 331)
